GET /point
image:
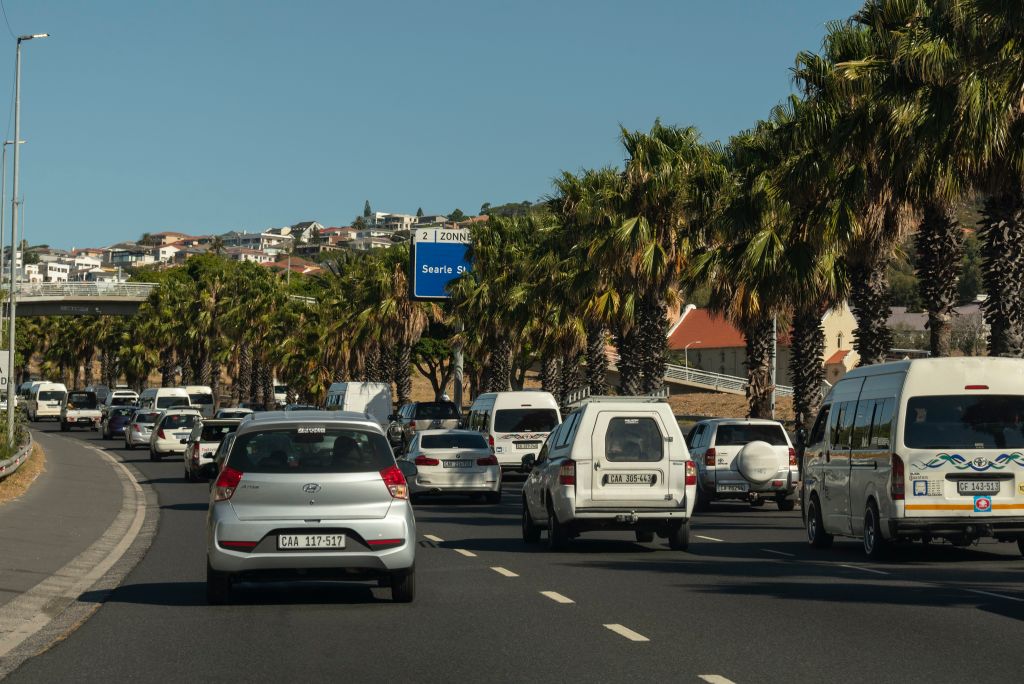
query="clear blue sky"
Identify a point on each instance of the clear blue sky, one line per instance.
(212, 115)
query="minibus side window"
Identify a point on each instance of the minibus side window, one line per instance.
(881, 427)
(818, 431)
(841, 434)
(835, 420)
(860, 437)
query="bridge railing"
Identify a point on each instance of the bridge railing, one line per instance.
(76, 289)
(708, 379)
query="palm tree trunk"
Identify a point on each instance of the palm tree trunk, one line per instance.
(267, 386)
(167, 367)
(501, 367)
(244, 376)
(371, 365)
(653, 331)
(597, 360)
(759, 367)
(805, 365)
(940, 246)
(403, 373)
(105, 368)
(549, 374)
(1002, 236)
(255, 373)
(627, 343)
(90, 356)
(570, 379)
(870, 302)
(215, 381)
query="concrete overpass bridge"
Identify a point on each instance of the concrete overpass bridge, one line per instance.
(79, 299)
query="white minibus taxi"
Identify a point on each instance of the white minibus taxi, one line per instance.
(919, 450)
(160, 398)
(516, 424)
(45, 400)
(201, 398)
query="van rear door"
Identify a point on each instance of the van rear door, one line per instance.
(631, 459)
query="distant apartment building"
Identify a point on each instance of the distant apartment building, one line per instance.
(432, 220)
(246, 254)
(273, 239)
(132, 257)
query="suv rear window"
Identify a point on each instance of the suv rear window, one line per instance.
(200, 399)
(738, 435)
(335, 450)
(171, 402)
(994, 421)
(82, 400)
(145, 417)
(473, 441)
(525, 420)
(435, 410)
(634, 439)
(122, 412)
(123, 401)
(216, 433)
(50, 395)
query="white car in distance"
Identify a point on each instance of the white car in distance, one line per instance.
(172, 428)
(454, 462)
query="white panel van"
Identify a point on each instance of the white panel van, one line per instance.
(160, 398)
(516, 424)
(45, 400)
(371, 398)
(201, 398)
(919, 450)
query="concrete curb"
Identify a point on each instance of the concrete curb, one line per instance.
(47, 613)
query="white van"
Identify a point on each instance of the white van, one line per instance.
(160, 398)
(919, 450)
(45, 400)
(371, 398)
(201, 398)
(516, 423)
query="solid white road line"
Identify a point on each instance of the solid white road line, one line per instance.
(716, 679)
(780, 553)
(432, 538)
(556, 597)
(999, 596)
(627, 632)
(857, 567)
(504, 571)
(700, 536)
(464, 552)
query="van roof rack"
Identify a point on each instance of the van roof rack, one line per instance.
(583, 396)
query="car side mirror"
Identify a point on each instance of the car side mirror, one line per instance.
(529, 462)
(408, 468)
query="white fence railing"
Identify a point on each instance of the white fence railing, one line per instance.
(75, 289)
(7, 467)
(708, 379)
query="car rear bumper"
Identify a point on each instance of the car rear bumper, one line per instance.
(975, 526)
(168, 447)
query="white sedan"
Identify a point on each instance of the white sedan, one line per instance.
(454, 462)
(172, 429)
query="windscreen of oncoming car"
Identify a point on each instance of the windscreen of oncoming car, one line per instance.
(468, 441)
(200, 398)
(145, 417)
(82, 400)
(993, 421)
(739, 435)
(216, 433)
(51, 395)
(525, 420)
(435, 410)
(310, 449)
(171, 402)
(176, 421)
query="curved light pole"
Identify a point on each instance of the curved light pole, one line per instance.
(686, 357)
(14, 233)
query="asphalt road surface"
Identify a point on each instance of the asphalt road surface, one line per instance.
(749, 602)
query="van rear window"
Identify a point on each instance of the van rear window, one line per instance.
(525, 420)
(50, 395)
(634, 439)
(200, 398)
(435, 410)
(82, 400)
(739, 435)
(171, 402)
(993, 421)
(332, 450)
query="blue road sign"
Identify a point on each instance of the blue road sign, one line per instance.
(438, 257)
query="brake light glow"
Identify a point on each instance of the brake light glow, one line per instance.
(412, 424)
(491, 460)
(238, 545)
(567, 473)
(792, 457)
(490, 441)
(160, 433)
(395, 482)
(226, 483)
(136, 428)
(691, 473)
(422, 460)
(709, 457)
(976, 387)
(897, 486)
(384, 543)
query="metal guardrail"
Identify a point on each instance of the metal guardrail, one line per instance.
(708, 379)
(12, 464)
(75, 289)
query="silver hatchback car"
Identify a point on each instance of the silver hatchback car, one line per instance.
(310, 495)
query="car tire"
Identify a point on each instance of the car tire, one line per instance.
(63, 426)
(679, 537)
(493, 498)
(218, 586)
(1020, 545)
(153, 456)
(531, 533)
(816, 534)
(757, 503)
(876, 547)
(644, 536)
(558, 536)
(107, 435)
(128, 445)
(403, 586)
(784, 503)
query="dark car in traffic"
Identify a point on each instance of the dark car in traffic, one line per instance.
(116, 420)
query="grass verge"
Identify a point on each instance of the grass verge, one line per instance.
(18, 483)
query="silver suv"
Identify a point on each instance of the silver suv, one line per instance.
(313, 494)
(749, 459)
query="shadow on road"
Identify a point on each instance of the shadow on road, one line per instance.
(186, 507)
(192, 594)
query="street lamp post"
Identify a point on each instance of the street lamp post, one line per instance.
(686, 356)
(3, 198)
(14, 233)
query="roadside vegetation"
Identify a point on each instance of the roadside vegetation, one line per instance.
(14, 486)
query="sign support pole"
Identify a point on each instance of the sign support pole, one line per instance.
(457, 371)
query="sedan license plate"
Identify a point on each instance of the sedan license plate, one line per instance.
(457, 464)
(527, 445)
(311, 541)
(977, 487)
(732, 487)
(630, 478)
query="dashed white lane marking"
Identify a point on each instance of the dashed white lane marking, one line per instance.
(627, 632)
(700, 536)
(556, 597)
(467, 554)
(432, 538)
(857, 567)
(999, 596)
(504, 571)
(780, 553)
(716, 679)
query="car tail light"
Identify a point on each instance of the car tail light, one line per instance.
(395, 482)
(709, 457)
(422, 460)
(238, 545)
(160, 433)
(226, 483)
(412, 424)
(897, 486)
(491, 460)
(136, 428)
(792, 457)
(384, 543)
(567, 473)
(691, 473)
(976, 387)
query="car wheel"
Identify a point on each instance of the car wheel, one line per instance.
(128, 445)
(531, 533)
(644, 536)
(558, 536)
(218, 586)
(876, 546)
(63, 426)
(107, 435)
(679, 537)
(1020, 545)
(757, 503)
(816, 534)
(403, 586)
(153, 456)
(784, 503)
(492, 497)
(188, 476)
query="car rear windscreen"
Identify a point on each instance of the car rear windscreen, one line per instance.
(469, 441)
(178, 421)
(82, 400)
(525, 420)
(993, 421)
(50, 395)
(310, 449)
(171, 402)
(147, 417)
(123, 401)
(216, 433)
(122, 412)
(634, 439)
(436, 410)
(197, 399)
(739, 435)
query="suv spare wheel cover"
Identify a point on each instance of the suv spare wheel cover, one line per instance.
(758, 462)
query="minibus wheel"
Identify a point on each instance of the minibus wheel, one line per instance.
(875, 545)
(816, 534)
(1020, 545)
